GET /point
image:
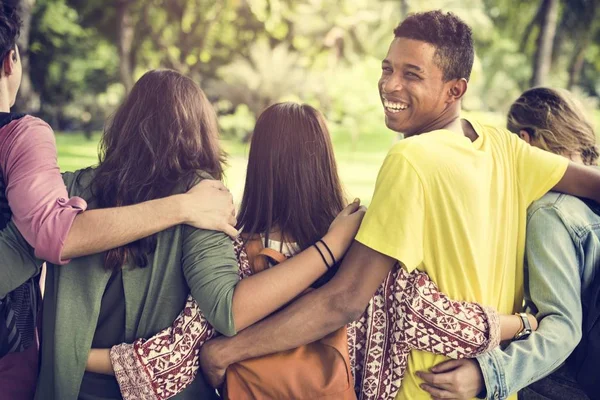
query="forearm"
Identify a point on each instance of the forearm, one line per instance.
(99, 230)
(580, 180)
(472, 328)
(309, 318)
(554, 289)
(99, 362)
(510, 325)
(262, 294)
(315, 314)
(523, 362)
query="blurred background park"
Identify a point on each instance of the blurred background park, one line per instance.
(81, 57)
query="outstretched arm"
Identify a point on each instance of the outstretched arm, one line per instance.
(554, 289)
(208, 205)
(56, 226)
(311, 317)
(135, 364)
(581, 181)
(472, 328)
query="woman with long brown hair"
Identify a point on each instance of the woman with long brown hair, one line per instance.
(161, 140)
(292, 193)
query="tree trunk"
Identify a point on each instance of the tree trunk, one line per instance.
(125, 43)
(27, 99)
(577, 65)
(403, 8)
(583, 40)
(543, 53)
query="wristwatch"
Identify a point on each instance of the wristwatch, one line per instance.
(525, 330)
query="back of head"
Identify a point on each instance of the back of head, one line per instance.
(158, 139)
(555, 122)
(292, 182)
(451, 37)
(10, 27)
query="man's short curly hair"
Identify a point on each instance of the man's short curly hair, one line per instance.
(10, 27)
(451, 37)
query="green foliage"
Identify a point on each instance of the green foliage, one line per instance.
(238, 124)
(248, 54)
(70, 65)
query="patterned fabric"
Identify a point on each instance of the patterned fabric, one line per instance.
(407, 312)
(164, 365)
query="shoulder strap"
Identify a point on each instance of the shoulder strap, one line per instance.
(273, 255)
(259, 256)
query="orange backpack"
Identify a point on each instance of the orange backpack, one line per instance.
(318, 370)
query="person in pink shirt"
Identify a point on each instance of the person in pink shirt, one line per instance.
(34, 197)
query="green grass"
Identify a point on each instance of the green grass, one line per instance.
(357, 170)
(358, 161)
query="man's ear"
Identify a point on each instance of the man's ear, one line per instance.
(8, 64)
(457, 89)
(523, 134)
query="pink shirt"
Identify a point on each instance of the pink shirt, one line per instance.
(36, 193)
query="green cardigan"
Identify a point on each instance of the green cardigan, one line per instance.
(186, 259)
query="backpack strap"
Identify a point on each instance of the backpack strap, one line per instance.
(259, 256)
(274, 255)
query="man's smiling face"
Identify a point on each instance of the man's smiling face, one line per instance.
(411, 87)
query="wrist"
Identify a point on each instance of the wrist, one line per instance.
(221, 353)
(178, 203)
(335, 245)
(525, 327)
(510, 325)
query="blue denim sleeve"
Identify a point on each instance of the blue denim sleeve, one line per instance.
(552, 288)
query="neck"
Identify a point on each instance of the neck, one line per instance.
(4, 97)
(576, 158)
(449, 120)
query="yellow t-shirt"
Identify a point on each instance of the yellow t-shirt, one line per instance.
(457, 210)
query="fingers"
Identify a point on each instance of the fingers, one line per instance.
(216, 184)
(350, 208)
(230, 231)
(208, 184)
(446, 366)
(232, 220)
(437, 393)
(439, 380)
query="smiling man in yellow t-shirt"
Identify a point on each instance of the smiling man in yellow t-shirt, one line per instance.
(450, 199)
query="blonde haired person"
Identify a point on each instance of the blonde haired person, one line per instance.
(555, 121)
(561, 269)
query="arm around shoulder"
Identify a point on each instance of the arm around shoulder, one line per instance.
(309, 318)
(554, 288)
(581, 181)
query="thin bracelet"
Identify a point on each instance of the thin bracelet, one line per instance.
(322, 256)
(328, 250)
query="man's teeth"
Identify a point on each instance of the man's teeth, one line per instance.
(394, 107)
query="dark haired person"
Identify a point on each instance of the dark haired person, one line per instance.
(138, 289)
(33, 194)
(450, 200)
(561, 268)
(291, 167)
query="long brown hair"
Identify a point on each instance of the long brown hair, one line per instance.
(163, 134)
(555, 122)
(292, 182)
